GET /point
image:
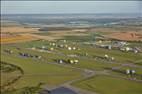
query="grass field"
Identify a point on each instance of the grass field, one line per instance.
(48, 71)
(37, 71)
(110, 85)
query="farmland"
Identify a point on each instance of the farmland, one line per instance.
(94, 72)
(88, 61)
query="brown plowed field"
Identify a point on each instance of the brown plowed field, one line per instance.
(16, 34)
(126, 36)
(16, 38)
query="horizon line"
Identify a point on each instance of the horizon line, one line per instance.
(64, 13)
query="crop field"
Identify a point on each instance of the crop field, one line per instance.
(17, 38)
(81, 60)
(128, 36)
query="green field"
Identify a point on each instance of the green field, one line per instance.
(46, 70)
(110, 85)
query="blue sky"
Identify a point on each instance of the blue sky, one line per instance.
(47, 7)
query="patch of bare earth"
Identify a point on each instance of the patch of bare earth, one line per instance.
(16, 38)
(126, 36)
(16, 34)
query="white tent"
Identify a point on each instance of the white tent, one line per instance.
(69, 48)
